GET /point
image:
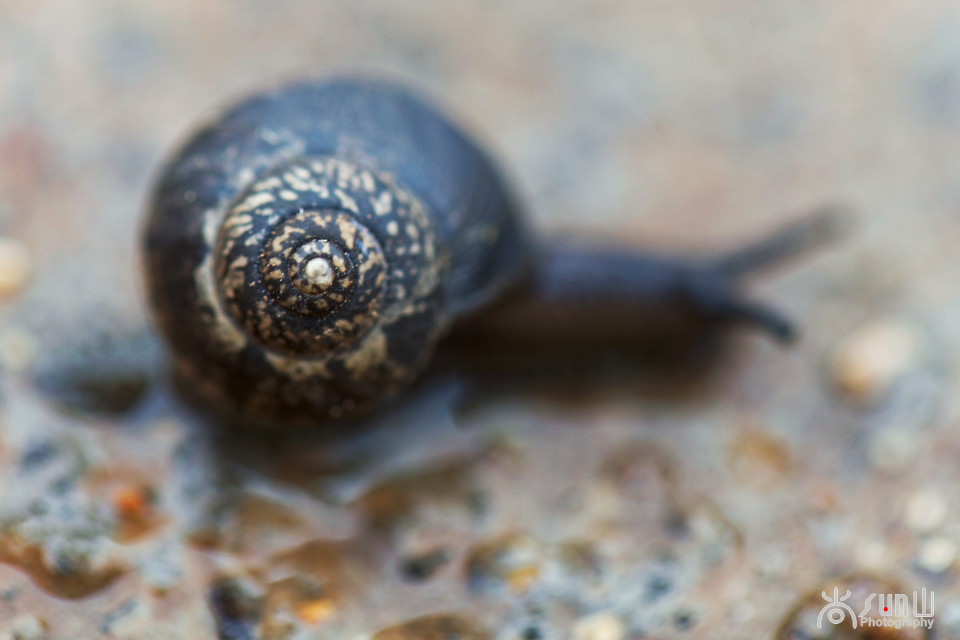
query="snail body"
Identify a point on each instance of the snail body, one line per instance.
(306, 251)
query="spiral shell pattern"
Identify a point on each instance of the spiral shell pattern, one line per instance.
(315, 256)
(316, 265)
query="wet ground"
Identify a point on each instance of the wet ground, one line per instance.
(718, 510)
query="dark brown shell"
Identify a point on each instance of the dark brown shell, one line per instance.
(305, 252)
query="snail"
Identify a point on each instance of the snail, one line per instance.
(313, 250)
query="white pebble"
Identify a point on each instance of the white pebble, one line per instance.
(867, 362)
(599, 626)
(15, 267)
(926, 510)
(874, 556)
(937, 554)
(26, 628)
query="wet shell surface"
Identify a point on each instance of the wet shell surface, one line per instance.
(306, 251)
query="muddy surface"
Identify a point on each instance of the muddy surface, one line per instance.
(719, 508)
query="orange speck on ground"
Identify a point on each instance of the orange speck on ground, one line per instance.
(316, 611)
(131, 502)
(522, 578)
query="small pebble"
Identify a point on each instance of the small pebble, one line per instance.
(316, 611)
(599, 626)
(683, 620)
(926, 510)
(580, 559)
(512, 561)
(867, 362)
(435, 627)
(10, 594)
(937, 554)
(657, 587)
(15, 267)
(532, 633)
(759, 457)
(874, 555)
(132, 501)
(134, 506)
(237, 605)
(422, 566)
(28, 628)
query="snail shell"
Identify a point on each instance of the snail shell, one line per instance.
(306, 251)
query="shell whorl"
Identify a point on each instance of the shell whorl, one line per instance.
(318, 285)
(313, 257)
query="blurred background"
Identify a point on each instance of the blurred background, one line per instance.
(690, 124)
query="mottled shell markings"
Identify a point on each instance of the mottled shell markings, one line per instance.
(303, 266)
